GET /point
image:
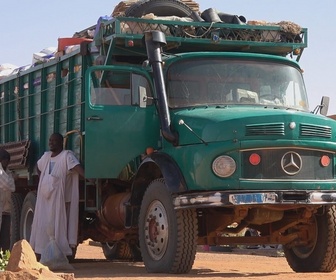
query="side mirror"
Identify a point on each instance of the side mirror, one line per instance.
(324, 105)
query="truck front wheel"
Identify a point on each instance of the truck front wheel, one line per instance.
(168, 237)
(320, 256)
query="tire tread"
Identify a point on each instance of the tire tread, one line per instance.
(17, 202)
(159, 8)
(322, 258)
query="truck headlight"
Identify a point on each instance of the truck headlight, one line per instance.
(224, 166)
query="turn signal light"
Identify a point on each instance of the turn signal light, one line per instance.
(325, 161)
(149, 150)
(254, 159)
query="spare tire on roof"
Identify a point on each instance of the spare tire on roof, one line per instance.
(160, 8)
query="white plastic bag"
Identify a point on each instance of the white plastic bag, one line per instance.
(54, 258)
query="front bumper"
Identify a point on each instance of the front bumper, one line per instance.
(223, 199)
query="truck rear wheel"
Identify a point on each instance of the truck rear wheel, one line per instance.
(168, 237)
(320, 256)
(27, 215)
(117, 251)
(159, 8)
(17, 201)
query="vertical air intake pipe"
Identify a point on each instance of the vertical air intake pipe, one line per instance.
(154, 41)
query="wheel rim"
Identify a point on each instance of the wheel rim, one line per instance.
(109, 245)
(27, 225)
(156, 230)
(304, 252)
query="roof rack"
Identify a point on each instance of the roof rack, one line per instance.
(188, 36)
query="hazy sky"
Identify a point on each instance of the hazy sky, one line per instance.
(30, 26)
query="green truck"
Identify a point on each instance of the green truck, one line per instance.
(191, 132)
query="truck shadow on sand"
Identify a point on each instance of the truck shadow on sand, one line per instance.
(105, 269)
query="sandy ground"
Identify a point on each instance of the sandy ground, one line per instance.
(244, 264)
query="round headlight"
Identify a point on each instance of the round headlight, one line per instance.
(224, 166)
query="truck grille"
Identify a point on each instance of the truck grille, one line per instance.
(288, 164)
(265, 129)
(306, 130)
(309, 130)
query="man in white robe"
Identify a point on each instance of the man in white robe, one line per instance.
(56, 210)
(7, 185)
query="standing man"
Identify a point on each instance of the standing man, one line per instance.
(56, 210)
(7, 186)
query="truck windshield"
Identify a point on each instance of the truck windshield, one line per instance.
(226, 82)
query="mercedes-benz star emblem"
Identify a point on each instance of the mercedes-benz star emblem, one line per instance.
(291, 163)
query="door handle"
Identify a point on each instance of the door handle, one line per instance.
(94, 118)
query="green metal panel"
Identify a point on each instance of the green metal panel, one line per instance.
(10, 111)
(117, 134)
(225, 133)
(44, 99)
(24, 112)
(30, 97)
(64, 90)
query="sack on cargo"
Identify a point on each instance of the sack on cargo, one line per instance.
(5, 73)
(44, 55)
(7, 66)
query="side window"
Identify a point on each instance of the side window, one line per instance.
(115, 89)
(120, 88)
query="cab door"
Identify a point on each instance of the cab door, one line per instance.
(117, 129)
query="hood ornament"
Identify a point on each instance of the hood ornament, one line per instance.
(291, 163)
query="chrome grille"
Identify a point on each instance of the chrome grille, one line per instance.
(309, 130)
(265, 129)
